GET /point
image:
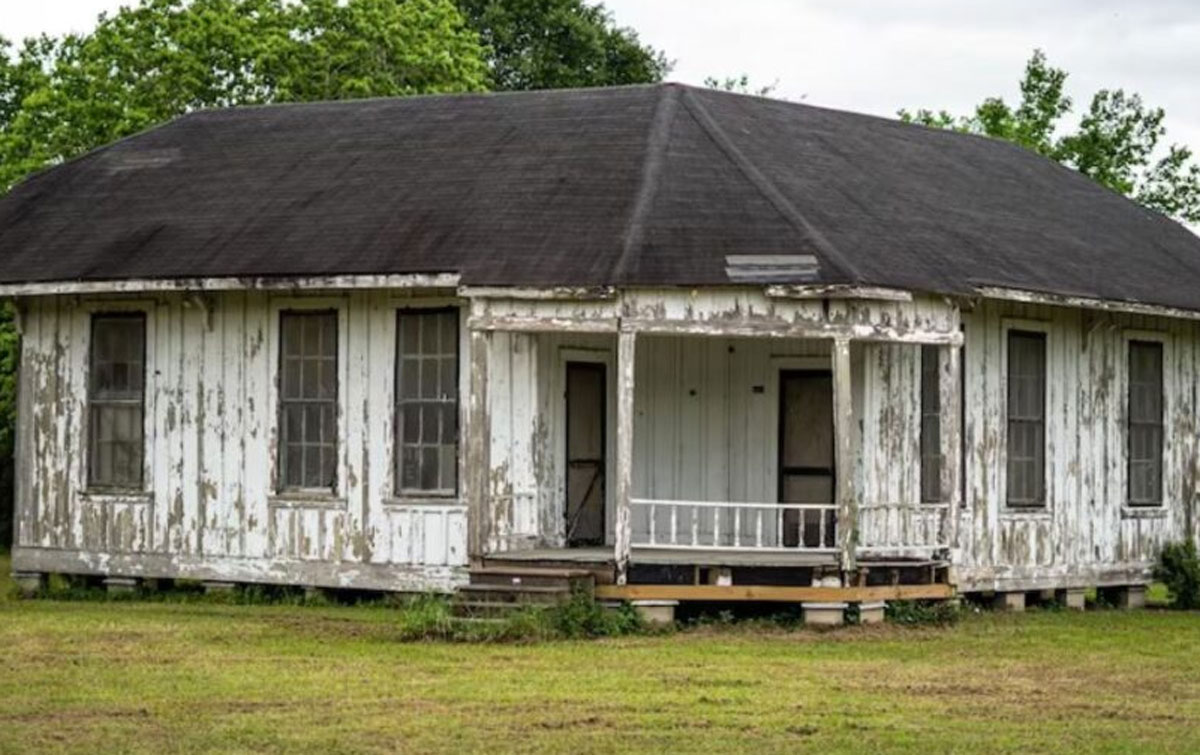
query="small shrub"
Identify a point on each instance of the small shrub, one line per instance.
(1179, 569)
(919, 612)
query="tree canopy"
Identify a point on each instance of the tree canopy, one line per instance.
(1118, 140)
(551, 44)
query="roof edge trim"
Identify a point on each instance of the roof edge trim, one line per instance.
(1083, 302)
(239, 283)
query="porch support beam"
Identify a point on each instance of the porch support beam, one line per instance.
(950, 387)
(843, 434)
(806, 330)
(477, 451)
(626, 353)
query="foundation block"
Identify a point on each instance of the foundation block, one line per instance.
(120, 585)
(824, 614)
(872, 613)
(656, 613)
(1130, 597)
(30, 583)
(1009, 601)
(1073, 598)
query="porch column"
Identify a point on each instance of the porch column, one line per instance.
(950, 388)
(477, 451)
(623, 535)
(843, 434)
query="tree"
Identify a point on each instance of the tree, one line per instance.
(146, 64)
(741, 85)
(1115, 143)
(549, 44)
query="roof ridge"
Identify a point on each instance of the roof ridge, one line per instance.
(656, 148)
(769, 190)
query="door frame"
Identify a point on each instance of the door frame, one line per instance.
(779, 364)
(604, 356)
(802, 372)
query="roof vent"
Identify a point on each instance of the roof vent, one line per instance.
(771, 268)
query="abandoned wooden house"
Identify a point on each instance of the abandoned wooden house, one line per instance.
(684, 344)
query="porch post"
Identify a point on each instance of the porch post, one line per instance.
(843, 434)
(626, 348)
(950, 388)
(477, 451)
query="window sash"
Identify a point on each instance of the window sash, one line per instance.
(1026, 402)
(1144, 424)
(308, 398)
(932, 457)
(426, 403)
(116, 401)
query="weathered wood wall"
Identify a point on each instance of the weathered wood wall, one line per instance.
(210, 508)
(1086, 534)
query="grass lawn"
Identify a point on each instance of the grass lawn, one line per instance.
(129, 676)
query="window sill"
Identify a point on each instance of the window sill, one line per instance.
(116, 496)
(1027, 514)
(405, 502)
(306, 499)
(1157, 511)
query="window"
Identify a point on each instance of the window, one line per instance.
(308, 393)
(1145, 418)
(426, 460)
(116, 394)
(931, 426)
(1026, 419)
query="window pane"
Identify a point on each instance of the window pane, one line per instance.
(1026, 418)
(931, 424)
(426, 413)
(308, 391)
(116, 386)
(1145, 422)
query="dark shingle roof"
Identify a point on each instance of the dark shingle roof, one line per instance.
(640, 185)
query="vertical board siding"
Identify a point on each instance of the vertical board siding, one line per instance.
(210, 443)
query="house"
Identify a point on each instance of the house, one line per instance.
(697, 345)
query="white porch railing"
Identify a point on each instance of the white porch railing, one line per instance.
(905, 528)
(723, 525)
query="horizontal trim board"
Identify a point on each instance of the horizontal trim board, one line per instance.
(337, 575)
(773, 593)
(137, 285)
(1082, 302)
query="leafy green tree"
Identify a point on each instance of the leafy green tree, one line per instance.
(741, 85)
(550, 44)
(1116, 141)
(146, 64)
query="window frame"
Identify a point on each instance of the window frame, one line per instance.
(90, 484)
(279, 494)
(395, 446)
(1032, 327)
(1128, 338)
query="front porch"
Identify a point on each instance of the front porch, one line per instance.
(725, 441)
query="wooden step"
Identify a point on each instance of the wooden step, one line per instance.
(518, 577)
(509, 594)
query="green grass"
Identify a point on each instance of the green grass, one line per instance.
(191, 676)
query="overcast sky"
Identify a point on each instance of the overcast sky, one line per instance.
(876, 56)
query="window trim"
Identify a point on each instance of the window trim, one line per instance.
(392, 497)
(1046, 507)
(1128, 337)
(82, 341)
(278, 495)
(412, 494)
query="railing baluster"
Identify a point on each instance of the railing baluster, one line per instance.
(674, 525)
(653, 523)
(823, 518)
(737, 528)
(758, 530)
(696, 511)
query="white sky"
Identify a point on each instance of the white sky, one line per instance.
(879, 55)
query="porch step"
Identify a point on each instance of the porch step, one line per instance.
(520, 577)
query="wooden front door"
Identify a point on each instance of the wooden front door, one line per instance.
(586, 392)
(806, 472)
